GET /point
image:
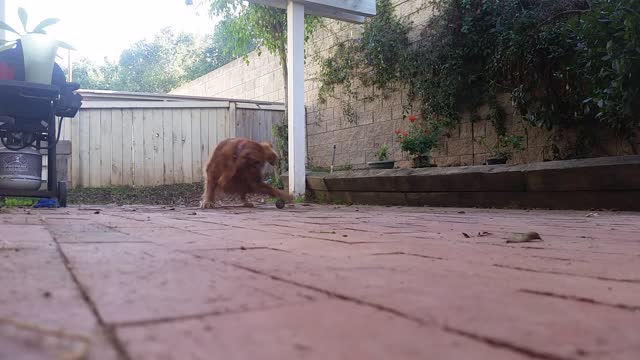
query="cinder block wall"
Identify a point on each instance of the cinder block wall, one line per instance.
(356, 143)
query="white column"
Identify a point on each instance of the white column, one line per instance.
(3, 18)
(297, 121)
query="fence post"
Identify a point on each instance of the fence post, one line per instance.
(232, 119)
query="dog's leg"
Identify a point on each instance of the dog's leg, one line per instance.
(267, 189)
(209, 196)
(245, 202)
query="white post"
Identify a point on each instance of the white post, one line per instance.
(297, 121)
(3, 18)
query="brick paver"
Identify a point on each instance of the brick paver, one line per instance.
(324, 282)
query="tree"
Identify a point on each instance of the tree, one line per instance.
(218, 51)
(95, 76)
(157, 65)
(266, 27)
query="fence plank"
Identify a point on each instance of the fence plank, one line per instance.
(105, 142)
(204, 140)
(196, 154)
(158, 147)
(75, 150)
(177, 147)
(167, 140)
(138, 147)
(213, 119)
(186, 146)
(231, 121)
(220, 125)
(94, 149)
(116, 147)
(127, 147)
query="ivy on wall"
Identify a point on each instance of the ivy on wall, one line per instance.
(378, 59)
(568, 64)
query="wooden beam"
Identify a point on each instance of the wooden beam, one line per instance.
(317, 10)
(334, 14)
(357, 7)
(154, 105)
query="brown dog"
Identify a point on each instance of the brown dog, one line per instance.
(235, 167)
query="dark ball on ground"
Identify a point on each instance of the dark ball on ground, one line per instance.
(280, 204)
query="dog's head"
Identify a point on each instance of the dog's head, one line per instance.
(269, 153)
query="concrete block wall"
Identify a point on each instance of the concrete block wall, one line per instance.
(356, 143)
(260, 79)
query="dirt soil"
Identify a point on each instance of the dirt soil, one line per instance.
(175, 195)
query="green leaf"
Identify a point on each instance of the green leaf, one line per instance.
(22, 13)
(45, 23)
(6, 27)
(64, 45)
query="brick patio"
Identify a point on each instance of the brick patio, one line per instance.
(319, 282)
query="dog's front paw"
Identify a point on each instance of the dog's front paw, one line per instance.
(207, 205)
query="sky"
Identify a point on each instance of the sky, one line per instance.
(99, 28)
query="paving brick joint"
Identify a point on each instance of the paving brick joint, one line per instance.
(318, 282)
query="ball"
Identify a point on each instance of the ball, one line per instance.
(280, 204)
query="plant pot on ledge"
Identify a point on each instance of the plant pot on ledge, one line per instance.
(421, 161)
(384, 164)
(497, 161)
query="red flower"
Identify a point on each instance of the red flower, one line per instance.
(397, 132)
(412, 118)
(405, 134)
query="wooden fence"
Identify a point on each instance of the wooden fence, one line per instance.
(157, 142)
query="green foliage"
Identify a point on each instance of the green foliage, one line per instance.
(383, 47)
(95, 76)
(17, 202)
(249, 23)
(506, 146)
(377, 59)
(383, 153)
(219, 50)
(568, 64)
(608, 60)
(158, 65)
(38, 29)
(280, 131)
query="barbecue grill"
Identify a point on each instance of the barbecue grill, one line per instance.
(28, 126)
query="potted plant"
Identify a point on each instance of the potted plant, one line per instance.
(504, 149)
(38, 48)
(419, 141)
(382, 156)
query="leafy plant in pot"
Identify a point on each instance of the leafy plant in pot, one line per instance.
(382, 156)
(419, 141)
(504, 149)
(38, 48)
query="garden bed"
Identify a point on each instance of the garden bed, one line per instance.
(171, 195)
(598, 183)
